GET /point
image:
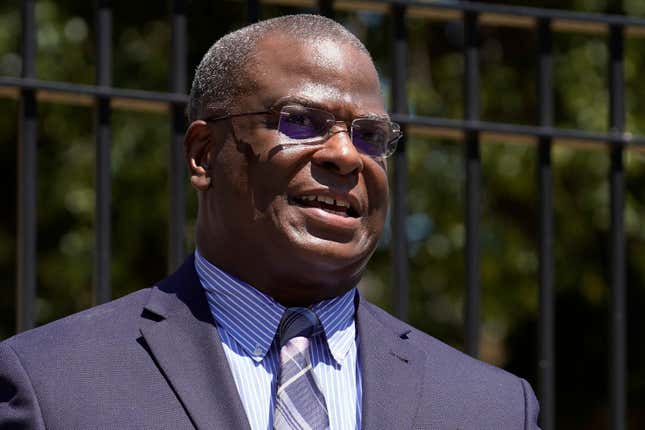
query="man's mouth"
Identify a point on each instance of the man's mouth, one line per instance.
(339, 206)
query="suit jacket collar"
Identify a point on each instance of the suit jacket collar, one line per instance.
(186, 347)
(391, 368)
(178, 329)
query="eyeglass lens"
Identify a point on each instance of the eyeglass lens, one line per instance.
(301, 125)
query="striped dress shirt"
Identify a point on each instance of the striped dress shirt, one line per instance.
(247, 321)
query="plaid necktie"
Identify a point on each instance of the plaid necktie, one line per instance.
(299, 403)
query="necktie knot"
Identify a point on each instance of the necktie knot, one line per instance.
(298, 322)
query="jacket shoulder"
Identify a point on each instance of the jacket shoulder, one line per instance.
(96, 360)
(103, 322)
(438, 352)
(460, 391)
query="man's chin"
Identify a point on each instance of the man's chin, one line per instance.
(338, 259)
(329, 252)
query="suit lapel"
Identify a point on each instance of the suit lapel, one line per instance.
(392, 371)
(187, 349)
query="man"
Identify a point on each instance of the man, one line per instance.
(263, 328)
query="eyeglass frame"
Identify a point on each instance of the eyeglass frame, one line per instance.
(329, 129)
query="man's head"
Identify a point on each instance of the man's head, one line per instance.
(221, 75)
(298, 222)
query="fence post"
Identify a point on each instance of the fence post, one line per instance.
(618, 310)
(326, 8)
(399, 247)
(546, 359)
(176, 164)
(473, 183)
(103, 179)
(252, 11)
(27, 178)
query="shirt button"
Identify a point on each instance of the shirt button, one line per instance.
(258, 351)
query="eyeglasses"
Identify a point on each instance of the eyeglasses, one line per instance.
(300, 125)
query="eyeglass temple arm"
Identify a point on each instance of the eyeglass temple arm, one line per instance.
(233, 115)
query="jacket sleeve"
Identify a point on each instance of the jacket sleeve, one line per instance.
(19, 408)
(532, 407)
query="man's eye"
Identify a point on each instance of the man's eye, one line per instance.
(299, 119)
(372, 136)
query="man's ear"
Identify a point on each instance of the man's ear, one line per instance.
(197, 145)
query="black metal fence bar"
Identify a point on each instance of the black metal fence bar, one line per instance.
(91, 90)
(491, 14)
(546, 359)
(399, 245)
(520, 11)
(163, 99)
(473, 184)
(521, 130)
(326, 8)
(617, 323)
(422, 121)
(176, 163)
(27, 174)
(103, 181)
(252, 11)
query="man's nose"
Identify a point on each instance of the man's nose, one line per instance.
(339, 153)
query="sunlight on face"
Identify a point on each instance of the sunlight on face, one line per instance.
(329, 53)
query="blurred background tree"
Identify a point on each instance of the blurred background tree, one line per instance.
(435, 226)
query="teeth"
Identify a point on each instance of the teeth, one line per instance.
(327, 200)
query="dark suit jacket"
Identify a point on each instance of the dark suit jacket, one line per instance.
(153, 360)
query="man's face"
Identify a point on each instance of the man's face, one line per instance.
(259, 220)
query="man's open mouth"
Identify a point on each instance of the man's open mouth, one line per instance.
(329, 204)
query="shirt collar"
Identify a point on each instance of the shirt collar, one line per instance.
(251, 317)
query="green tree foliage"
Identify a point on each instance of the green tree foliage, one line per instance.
(509, 232)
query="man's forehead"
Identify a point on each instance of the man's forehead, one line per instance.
(327, 54)
(330, 58)
(324, 72)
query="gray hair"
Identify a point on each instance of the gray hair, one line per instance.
(220, 76)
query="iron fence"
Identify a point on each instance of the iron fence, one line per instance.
(542, 21)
